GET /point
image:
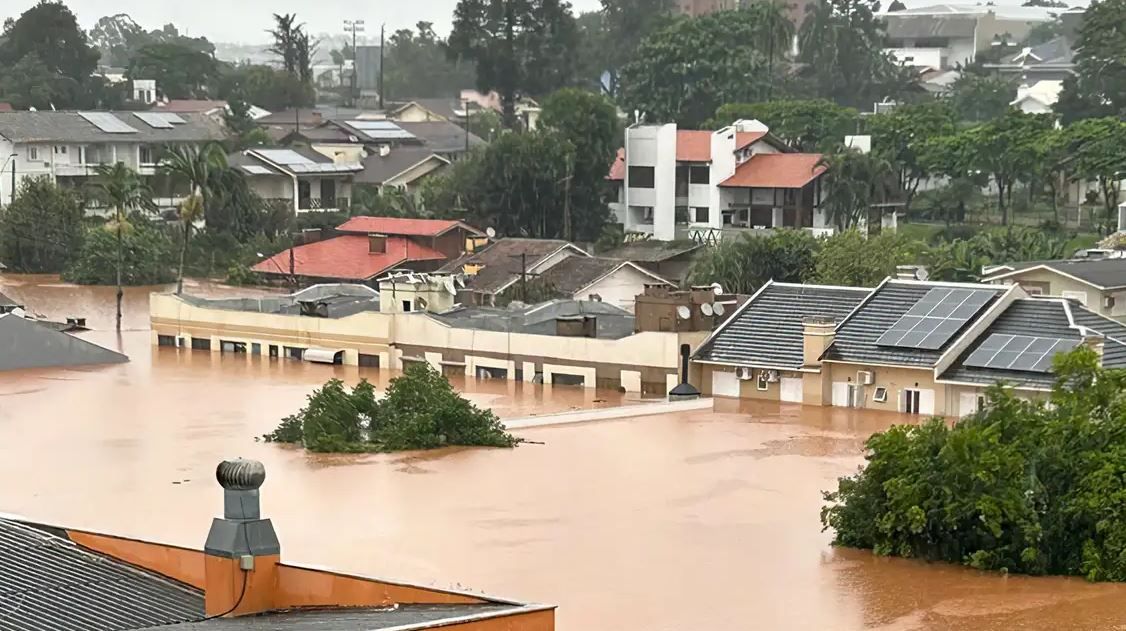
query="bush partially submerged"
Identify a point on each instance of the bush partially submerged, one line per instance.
(420, 410)
(1018, 487)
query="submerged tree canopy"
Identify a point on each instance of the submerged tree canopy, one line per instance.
(1021, 486)
(420, 410)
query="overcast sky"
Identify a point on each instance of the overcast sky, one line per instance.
(243, 21)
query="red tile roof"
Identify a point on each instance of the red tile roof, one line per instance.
(403, 227)
(618, 167)
(347, 257)
(744, 138)
(776, 170)
(6, 107)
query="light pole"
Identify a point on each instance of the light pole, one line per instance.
(11, 158)
(354, 27)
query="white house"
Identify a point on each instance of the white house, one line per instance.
(611, 281)
(298, 177)
(67, 147)
(1039, 97)
(676, 184)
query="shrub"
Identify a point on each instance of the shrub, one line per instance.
(1018, 487)
(420, 410)
(147, 257)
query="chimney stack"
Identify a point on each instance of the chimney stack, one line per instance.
(1095, 342)
(377, 243)
(684, 390)
(242, 549)
(818, 333)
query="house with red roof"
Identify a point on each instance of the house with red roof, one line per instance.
(679, 183)
(366, 248)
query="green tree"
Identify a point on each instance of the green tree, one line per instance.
(1020, 486)
(180, 72)
(624, 25)
(118, 38)
(775, 33)
(520, 47)
(1095, 149)
(295, 50)
(978, 98)
(143, 253)
(270, 88)
(842, 46)
(744, 264)
(125, 192)
(417, 65)
(806, 125)
(961, 260)
(199, 168)
(852, 259)
(856, 182)
(687, 69)
(589, 123)
(189, 212)
(46, 60)
(899, 136)
(41, 228)
(1098, 88)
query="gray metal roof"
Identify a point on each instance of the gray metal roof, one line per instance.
(1040, 317)
(349, 619)
(48, 583)
(442, 136)
(24, 126)
(1104, 273)
(335, 306)
(26, 344)
(379, 168)
(652, 251)
(1053, 51)
(501, 261)
(612, 322)
(5, 301)
(929, 26)
(767, 331)
(575, 272)
(856, 337)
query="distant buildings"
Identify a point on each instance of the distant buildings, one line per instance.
(1099, 285)
(943, 36)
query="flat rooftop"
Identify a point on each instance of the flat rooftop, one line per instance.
(329, 301)
(612, 322)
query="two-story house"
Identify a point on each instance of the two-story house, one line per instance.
(68, 147)
(944, 36)
(675, 184)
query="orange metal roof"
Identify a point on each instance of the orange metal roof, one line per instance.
(403, 227)
(777, 170)
(346, 257)
(618, 167)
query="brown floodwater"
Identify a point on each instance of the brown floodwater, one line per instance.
(705, 520)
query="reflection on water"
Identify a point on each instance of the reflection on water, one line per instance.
(703, 520)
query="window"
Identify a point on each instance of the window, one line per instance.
(201, 343)
(681, 214)
(369, 361)
(60, 150)
(763, 384)
(407, 306)
(881, 395)
(699, 175)
(33, 153)
(146, 155)
(165, 340)
(701, 215)
(641, 177)
(1109, 302)
(273, 350)
(292, 352)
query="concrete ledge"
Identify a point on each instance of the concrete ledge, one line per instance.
(606, 414)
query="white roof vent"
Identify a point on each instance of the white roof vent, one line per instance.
(752, 125)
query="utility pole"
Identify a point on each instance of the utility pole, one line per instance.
(353, 27)
(381, 27)
(465, 108)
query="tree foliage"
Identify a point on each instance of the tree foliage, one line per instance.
(851, 259)
(684, 71)
(744, 264)
(977, 97)
(1098, 88)
(899, 137)
(41, 228)
(180, 71)
(294, 48)
(270, 88)
(46, 59)
(856, 182)
(624, 25)
(961, 260)
(420, 410)
(118, 38)
(806, 125)
(1095, 150)
(1018, 487)
(146, 256)
(520, 47)
(417, 65)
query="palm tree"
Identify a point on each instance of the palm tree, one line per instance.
(124, 190)
(855, 182)
(773, 30)
(200, 167)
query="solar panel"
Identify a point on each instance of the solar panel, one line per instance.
(172, 118)
(107, 122)
(154, 120)
(287, 157)
(381, 130)
(254, 169)
(935, 318)
(1019, 352)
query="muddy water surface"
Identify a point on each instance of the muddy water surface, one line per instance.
(689, 521)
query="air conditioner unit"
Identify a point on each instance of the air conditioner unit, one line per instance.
(865, 377)
(1108, 302)
(772, 376)
(744, 373)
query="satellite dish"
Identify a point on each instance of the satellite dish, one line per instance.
(717, 289)
(718, 309)
(921, 273)
(683, 312)
(422, 304)
(707, 310)
(490, 232)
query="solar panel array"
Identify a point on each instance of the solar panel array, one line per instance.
(287, 157)
(381, 130)
(154, 120)
(175, 119)
(932, 321)
(107, 122)
(1019, 352)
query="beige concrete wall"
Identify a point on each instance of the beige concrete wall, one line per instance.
(749, 389)
(894, 379)
(1057, 284)
(619, 288)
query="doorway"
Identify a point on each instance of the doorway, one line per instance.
(304, 192)
(912, 401)
(855, 395)
(328, 193)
